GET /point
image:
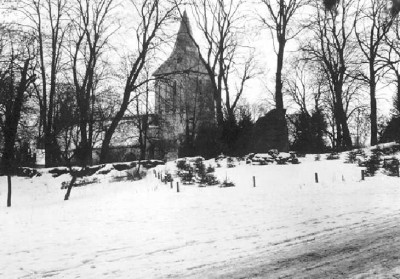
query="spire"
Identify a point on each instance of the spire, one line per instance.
(185, 28)
(185, 55)
(185, 35)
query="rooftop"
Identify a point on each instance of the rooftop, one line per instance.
(185, 56)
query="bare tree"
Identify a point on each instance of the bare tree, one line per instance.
(370, 28)
(152, 17)
(307, 89)
(91, 28)
(332, 46)
(16, 77)
(243, 70)
(49, 22)
(144, 117)
(390, 57)
(305, 86)
(280, 21)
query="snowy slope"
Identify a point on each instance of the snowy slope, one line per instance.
(144, 229)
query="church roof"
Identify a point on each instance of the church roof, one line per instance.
(185, 56)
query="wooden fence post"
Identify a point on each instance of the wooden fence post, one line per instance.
(177, 187)
(254, 181)
(9, 191)
(316, 177)
(362, 174)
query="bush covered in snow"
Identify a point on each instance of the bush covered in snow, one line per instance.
(333, 156)
(230, 162)
(136, 173)
(193, 170)
(204, 176)
(27, 172)
(182, 165)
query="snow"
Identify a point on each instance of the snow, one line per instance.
(145, 229)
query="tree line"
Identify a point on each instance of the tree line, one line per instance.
(65, 65)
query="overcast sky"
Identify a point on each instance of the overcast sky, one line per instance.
(260, 38)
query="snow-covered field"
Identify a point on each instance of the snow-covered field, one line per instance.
(287, 226)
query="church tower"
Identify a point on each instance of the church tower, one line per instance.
(184, 96)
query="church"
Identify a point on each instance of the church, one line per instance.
(183, 96)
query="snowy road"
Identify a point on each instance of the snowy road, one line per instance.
(286, 227)
(367, 249)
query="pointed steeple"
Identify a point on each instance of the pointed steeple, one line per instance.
(185, 55)
(184, 41)
(185, 29)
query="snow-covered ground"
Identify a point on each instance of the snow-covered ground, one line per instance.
(145, 229)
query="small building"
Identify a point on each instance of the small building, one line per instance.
(184, 99)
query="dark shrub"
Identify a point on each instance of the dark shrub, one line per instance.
(281, 161)
(181, 164)
(373, 164)
(124, 166)
(391, 166)
(88, 171)
(168, 177)
(351, 157)
(187, 177)
(210, 169)
(227, 183)
(56, 172)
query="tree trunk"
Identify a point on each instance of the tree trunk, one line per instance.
(397, 101)
(143, 137)
(346, 141)
(71, 184)
(12, 118)
(9, 142)
(346, 134)
(373, 117)
(83, 145)
(218, 107)
(278, 78)
(105, 147)
(48, 148)
(339, 134)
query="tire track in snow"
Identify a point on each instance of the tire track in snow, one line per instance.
(339, 252)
